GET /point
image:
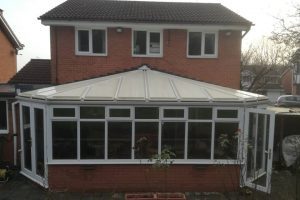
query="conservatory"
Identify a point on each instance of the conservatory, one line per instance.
(99, 134)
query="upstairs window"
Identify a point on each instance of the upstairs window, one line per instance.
(147, 43)
(202, 44)
(3, 117)
(91, 42)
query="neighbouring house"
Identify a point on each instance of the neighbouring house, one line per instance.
(264, 80)
(10, 45)
(164, 73)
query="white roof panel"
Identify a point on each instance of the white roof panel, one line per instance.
(143, 84)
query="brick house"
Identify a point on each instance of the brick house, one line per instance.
(162, 72)
(10, 45)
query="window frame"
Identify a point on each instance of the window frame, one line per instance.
(148, 54)
(90, 52)
(5, 131)
(203, 55)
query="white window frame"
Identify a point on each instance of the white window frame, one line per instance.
(203, 55)
(148, 54)
(90, 52)
(5, 131)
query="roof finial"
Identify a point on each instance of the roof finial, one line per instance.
(144, 68)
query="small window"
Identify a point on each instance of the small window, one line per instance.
(227, 114)
(91, 42)
(146, 113)
(63, 112)
(200, 113)
(3, 116)
(173, 113)
(147, 43)
(201, 44)
(92, 112)
(119, 112)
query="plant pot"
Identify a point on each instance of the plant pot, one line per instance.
(155, 196)
(140, 196)
(170, 196)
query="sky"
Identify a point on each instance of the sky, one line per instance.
(22, 16)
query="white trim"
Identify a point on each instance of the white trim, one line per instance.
(90, 52)
(5, 131)
(148, 54)
(143, 25)
(203, 34)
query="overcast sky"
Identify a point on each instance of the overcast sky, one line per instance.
(22, 17)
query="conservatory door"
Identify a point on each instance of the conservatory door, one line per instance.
(259, 134)
(32, 136)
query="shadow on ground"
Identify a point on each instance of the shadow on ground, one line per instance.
(19, 188)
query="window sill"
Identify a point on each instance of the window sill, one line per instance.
(3, 132)
(91, 54)
(147, 56)
(209, 57)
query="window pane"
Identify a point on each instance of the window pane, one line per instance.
(199, 140)
(39, 140)
(226, 140)
(63, 112)
(92, 112)
(139, 39)
(195, 43)
(92, 140)
(173, 137)
(98, 41)
(3, 116)
(210, 43)
(154, 43)
(119, 140)
(200, 113)
(173, 113)
(119, 112)
(146, 113)
(64, 140)
(227, 114)
(83, 40)
(146, 139)
(27, 137)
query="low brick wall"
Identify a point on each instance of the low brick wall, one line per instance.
(141, 178)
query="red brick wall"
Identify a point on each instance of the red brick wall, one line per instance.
(67, 67)
(8, 62)
(138, 178)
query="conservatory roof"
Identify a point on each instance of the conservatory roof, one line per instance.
(143, 85)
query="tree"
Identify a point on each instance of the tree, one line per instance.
(263, 58)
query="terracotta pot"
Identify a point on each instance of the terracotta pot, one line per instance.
(155, 196)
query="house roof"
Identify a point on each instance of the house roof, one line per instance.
(36, 71)
(143, 85)
(145, 12)
(9, 33)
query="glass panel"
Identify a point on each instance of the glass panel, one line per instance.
(146, 113)
(119, 112)
(227, 114)
(139, 45)
(173, 113)
(3, 116)
(260, 149)
(83, 40)
(226, 140)
(173, 137)
(199, 140)
(154, 43)
(92, 140)
(200, 113)
(195, 43)
(63, 112)
(119, 140)
(92, 112)
(64, 140)
(209, 43)
(146, 139)
(27, 137)
(39, 141)
(98, 41)
(251, 145)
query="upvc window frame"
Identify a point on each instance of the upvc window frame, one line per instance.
(148, 54)
(90, 52)
(5, 131)
(203, 33)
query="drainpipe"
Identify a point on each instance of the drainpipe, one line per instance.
(14, 131)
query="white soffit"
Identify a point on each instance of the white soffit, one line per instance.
(143, 84)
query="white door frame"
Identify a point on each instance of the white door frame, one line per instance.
(268, 153)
